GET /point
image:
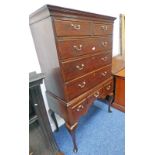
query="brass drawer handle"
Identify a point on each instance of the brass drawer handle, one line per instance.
(80, 67)
(104, 58)
(79, 108)
(97, 94)
(104, 27)
(78, 48)
(93, 48)
(76, 26)
(108, 88)
(104, 43)
(104, 73)
(82, 85)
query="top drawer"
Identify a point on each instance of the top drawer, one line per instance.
(103, 28)
(72, 28)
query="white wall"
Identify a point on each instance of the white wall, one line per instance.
(111, 8)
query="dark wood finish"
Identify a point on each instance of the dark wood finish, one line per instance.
(49, 10)
(119, 101)
(108, 87)
(82, 84)
(81, 66)
(72, 28)
(103, 28)
(41, 139)
(70, 48)
(76, 111)
(74, 49)
(97, 94)
(102, 74)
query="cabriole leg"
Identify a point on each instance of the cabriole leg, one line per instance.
(110, 99)
(71, 130)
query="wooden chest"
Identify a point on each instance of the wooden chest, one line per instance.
(74, 49)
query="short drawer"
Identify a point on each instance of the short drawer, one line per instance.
(96, 94)
(75, 68)
(70, 48)
(78, 110)
(103, 28)
(72, 28)
(108, 87)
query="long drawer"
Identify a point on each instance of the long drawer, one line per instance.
(75, 47)
(82, 84)
(79, 67)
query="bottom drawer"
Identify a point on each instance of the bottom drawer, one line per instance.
(81, 108)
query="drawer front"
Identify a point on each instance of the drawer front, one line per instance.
(103, 28)
(76, 68)
(106, 42)
(103, 74)
(77, 47)
(78, 110)
(94, 96)
(79, 67)
(79, 86)
(108, 87)
(72, 28)
(103, 59)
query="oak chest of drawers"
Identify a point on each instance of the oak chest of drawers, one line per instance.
(74, 49)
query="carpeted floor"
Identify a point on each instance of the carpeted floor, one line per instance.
(98, 133)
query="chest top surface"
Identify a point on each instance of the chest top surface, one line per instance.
(51, 10)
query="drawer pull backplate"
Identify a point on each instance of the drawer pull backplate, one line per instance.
(76, 26)
(78, 48)
(80, 67)
(82, 85)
